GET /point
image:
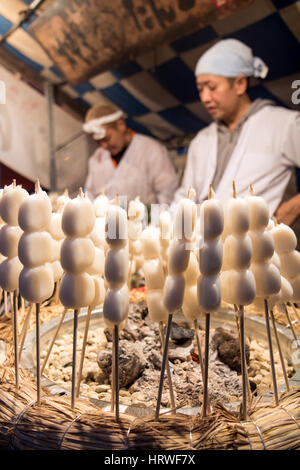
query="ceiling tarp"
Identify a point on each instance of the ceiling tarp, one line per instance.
(157, 89)
(84, 38)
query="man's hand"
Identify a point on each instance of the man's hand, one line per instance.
(288, 211)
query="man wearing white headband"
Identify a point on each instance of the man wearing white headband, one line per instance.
(127, 163)
(249, 142)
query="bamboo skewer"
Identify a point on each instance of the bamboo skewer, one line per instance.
(163, 366)
(112, 396)
(237, 319)
(280, 351)
(84, 341)
(169, 375)
(53, 339)
(295, 310)
(75, 327)
(199, 347)
(2, 300)
(290, 322)
(24, 330)
(116, 369)
(15, 335)
(38, 354)
(5, 305)
(200, 355)
(243, 361)
(22, 305)
(271, 352)
(56, 296)
(206, 360)
(113, 385)
(11, 299)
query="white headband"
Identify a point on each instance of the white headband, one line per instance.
(95, 126)
(230, 58)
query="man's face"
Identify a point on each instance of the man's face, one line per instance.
(115, 138)
(218, 95)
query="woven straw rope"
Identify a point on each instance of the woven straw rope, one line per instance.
(22, 413)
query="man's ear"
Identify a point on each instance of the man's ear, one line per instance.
(241, 84)
(121, 125)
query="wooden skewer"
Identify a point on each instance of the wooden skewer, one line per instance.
(243, 361)
(75, 327)
(5, 305)
(113, 383)
(15, 335)
(2, 299)
(163, 367)
(24, 330)
(200, 356)
(280, 351)
(53, 339)
(38, 353)
(206, 360)
(290, 322)
(22, 305)
(271, 352)
(116, 368)
(233, 189)
(84, 341)
(240, 321)
(11, 299)
(295, 310)
(56, 297)
(237, 319)
(172, 396)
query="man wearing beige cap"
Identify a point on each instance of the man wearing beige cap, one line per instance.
(254, 143)
(126, 162)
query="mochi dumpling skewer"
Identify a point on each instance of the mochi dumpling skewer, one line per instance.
(77, 287)
(10, 233)
(285, 242)
(36, 282)
(210, 262)
(285, 246)
(267, 275)
(173, 292)
(96, 270)
(155, 280)
(55, 230)
(286, 292)
(190, 305)
(116, 302)
(237, 281)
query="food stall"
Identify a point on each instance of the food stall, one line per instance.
(175, 335)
